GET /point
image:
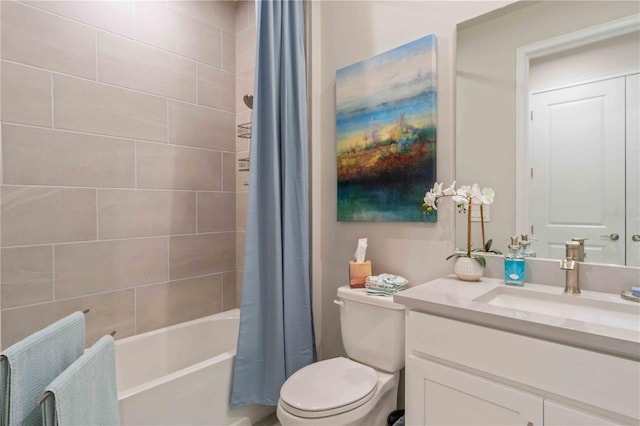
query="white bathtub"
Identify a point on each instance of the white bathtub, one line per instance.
(181, 375)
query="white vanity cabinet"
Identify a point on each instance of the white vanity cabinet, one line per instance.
(459, 373)
(446, 396)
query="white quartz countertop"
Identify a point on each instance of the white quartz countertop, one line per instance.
(451, 298)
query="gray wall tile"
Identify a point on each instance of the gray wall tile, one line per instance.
(198, 126)
(242, 201)
(98, 267)
(240, 244)
(246, 49)
(95, 108)
(35, 156)
(216, 88)
(113, 16)
(108, 312)
(126, 213)
(31, 36)
(216, 211)
(228, 52)
(162, 305)
(215, 13)
(129, 64)
(229, 300)
(174, 167)
(170, 30)
(242, 14)
(194, 255)
(27, 275)
(47, 215)
(26, 95)
(228, 171)
(71, 132)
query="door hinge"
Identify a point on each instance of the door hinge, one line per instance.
(532, 172)
(531, 229)
(531, 115)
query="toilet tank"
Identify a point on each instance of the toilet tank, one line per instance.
(372, 329)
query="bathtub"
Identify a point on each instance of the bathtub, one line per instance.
(181, 375)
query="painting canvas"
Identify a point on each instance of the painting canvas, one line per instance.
(386, 134)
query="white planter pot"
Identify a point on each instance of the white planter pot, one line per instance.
(468, 269)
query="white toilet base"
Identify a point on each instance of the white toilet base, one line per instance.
(372, 413)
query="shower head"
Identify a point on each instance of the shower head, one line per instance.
(248, 101)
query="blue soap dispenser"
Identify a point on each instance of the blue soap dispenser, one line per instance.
(514, 266)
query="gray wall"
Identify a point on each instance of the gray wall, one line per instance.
(118, 146)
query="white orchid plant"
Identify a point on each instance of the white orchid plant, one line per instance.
(465, 198)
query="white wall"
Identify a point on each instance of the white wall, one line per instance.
(352, 31)
(615, 55)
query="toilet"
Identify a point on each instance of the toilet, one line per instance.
(361, 389)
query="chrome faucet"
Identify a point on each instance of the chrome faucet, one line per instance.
(575, 254)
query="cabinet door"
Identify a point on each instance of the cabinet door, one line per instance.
(556, 414)
(440, 395)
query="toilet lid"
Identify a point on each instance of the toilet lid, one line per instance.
(328, 387)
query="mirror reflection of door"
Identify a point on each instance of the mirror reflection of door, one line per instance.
(583, 155)
(633, 170)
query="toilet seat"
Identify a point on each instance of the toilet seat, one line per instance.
(328, 388)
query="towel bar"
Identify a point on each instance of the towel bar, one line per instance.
(42, 398)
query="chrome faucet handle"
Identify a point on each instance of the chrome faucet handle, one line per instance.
(575, 249)
(581, 254)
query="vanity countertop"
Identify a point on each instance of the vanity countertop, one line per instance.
(451, 298)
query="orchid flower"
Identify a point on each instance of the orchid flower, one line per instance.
(488, 195)
(463, 196)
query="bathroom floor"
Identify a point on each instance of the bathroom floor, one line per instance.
(270, 420)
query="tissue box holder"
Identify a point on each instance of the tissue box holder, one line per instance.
(358, 273)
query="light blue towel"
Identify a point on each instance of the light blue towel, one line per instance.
(385, 284)
(27, 367)
(85, 393)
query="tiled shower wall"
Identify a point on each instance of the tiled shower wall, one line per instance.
(245, 70)
(118, 144)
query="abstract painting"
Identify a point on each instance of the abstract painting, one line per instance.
(386, 134)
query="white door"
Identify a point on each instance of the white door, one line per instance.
(633, 170)
(578, 176)
(440, 395)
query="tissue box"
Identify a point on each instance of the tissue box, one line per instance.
(358, 273)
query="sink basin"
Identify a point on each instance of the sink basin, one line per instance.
(580, 308)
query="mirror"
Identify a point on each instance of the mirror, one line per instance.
(572, 169)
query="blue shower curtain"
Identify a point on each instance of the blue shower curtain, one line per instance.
(276, 326)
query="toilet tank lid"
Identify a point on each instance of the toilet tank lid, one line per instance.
(360, 295)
